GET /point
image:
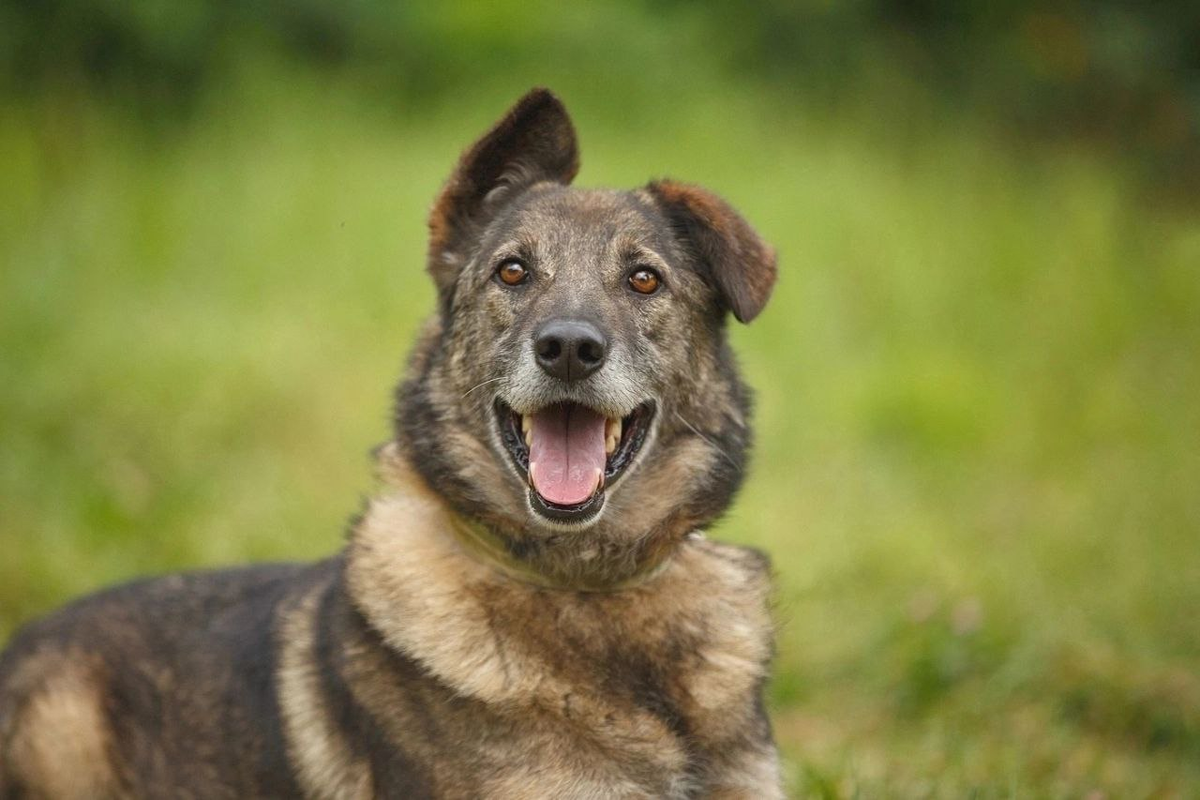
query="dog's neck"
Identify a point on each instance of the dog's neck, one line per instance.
(585, 562)
(435, 595)
(488, 547)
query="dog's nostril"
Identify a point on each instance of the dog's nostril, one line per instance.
(590, 352)
(549, 348)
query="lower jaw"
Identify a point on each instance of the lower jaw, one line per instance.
(584, 512)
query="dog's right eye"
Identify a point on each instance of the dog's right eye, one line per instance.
(512, 273)
(645, 281)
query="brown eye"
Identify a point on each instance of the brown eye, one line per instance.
(512, 273)
(644, 281)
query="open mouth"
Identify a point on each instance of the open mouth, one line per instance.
(569, 453)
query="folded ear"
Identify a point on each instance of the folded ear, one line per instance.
(740, 264)
(534, 142)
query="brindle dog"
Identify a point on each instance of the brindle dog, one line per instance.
(526, 608)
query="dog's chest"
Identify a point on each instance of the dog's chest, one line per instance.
(618, 696)
(634, 718)
(636, 693)
(588, 747)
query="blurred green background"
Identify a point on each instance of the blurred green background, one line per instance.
(978, 380)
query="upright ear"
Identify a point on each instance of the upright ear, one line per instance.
(534, 142)
(740, 264)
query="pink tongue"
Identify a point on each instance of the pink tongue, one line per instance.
(566, 456)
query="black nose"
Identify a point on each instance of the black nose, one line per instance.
(569, 349)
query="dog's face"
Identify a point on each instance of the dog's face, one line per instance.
(577, 379)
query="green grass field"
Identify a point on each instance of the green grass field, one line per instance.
(978, 467)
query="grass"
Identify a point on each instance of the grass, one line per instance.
(979, 441)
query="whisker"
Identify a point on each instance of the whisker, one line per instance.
(485, 383)
(710, 442)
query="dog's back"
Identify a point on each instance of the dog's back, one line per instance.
(129, 691)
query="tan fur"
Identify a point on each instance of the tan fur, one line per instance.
(61, 723)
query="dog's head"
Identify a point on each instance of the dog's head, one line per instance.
(577, 380)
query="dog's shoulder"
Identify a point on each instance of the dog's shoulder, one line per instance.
(722, 592)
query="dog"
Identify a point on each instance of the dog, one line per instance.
(526, 606)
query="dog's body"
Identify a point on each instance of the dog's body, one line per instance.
(524, 609)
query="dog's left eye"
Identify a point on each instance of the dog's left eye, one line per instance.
(644, 281)
(512, 273)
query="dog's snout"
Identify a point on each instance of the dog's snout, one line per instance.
(569, 349)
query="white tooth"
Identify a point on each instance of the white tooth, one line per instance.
(599, 480)
(532, 467)
(610, 445)
(529, 438)
(526, 423)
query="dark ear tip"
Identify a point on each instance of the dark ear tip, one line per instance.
(540, 94)
(746, 309)
(542, 111)
(537, 101)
